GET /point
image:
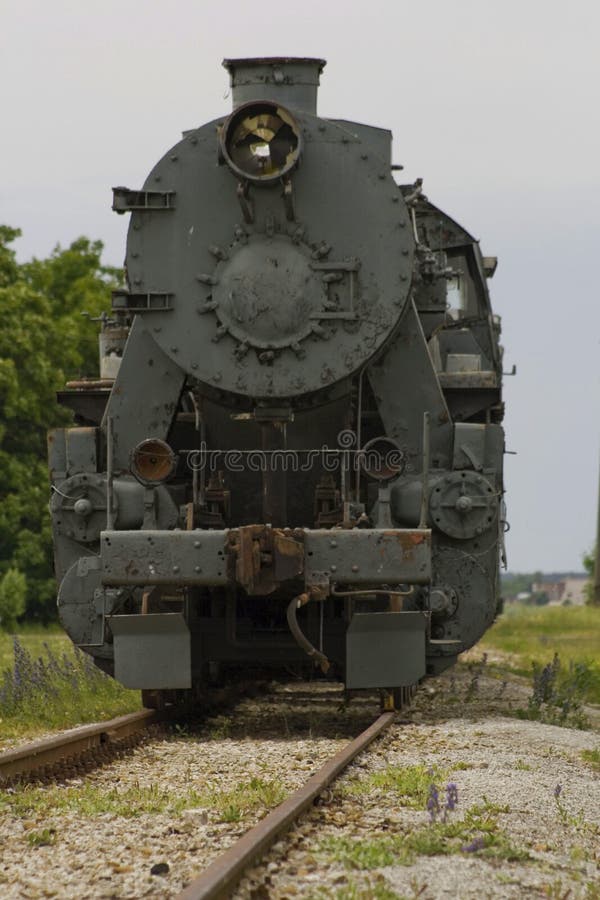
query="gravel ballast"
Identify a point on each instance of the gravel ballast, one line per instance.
(513, 767)
(460, 726)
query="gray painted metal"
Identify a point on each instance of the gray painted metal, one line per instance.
(164, 557)
(402, 373)
(385, 649)
(275, 308)
(368, 556)
(291, 81)
(81, 602)
(152, 651)
(144, 397)
(257, 302)
(356, 556)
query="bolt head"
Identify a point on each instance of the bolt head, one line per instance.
(82, 507)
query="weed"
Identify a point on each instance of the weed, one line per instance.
(522, 766)
(592, 758)
(448, 804)
(92, 800)
(246, 797)
(220, 728)
(374, 889)
(556, 891)
(476, 669)
(533, 633)
(43, 838)
(477, 833)
(408, 784)
(557, 694)
(57, 690)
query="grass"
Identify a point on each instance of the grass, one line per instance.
(46, 684)
(534, 634)
(409, 785)
(376, 890)
(477, 833)
(91, 799)
(592, 758)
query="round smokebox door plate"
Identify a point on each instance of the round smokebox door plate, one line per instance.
(267, 294)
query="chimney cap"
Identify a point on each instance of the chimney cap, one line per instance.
(230, 64)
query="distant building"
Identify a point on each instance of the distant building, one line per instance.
(570, 590)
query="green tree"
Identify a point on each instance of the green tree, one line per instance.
(589, 563)
(13, 589)
(44, 340)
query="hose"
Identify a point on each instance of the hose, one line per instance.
(299, 635)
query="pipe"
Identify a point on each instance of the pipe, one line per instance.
(299, 635)
(109, 474)
(377, 591)
(425, 473)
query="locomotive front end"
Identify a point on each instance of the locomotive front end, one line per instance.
(272, 477)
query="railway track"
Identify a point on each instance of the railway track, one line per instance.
(77, 749)
(294, 738)
(224, 873)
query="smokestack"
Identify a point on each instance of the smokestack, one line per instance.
(291, 81)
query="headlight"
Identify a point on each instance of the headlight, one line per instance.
(152, 461)
(261, 141)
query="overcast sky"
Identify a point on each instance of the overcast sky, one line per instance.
(495, 104)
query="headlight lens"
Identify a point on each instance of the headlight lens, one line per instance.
(261, 141)
(153, 461)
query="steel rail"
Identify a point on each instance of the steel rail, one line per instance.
(29, 758)
(223, 874)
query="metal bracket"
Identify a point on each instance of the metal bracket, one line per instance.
(334, 273)
(247, 207)
(141, 303)
(126, 200)
(288, 200)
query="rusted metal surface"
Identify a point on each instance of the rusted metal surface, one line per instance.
(219, 879)
(32, 757)
(260, 558)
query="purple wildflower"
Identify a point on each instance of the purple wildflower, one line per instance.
(557, 791)
(476, 844)
(433, 802)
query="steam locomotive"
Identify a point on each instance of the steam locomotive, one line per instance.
(292, 457)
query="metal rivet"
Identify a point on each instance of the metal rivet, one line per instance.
(355, 568)
(197, 569)
(176, 568)
(333, 544)
(333, 568)
(157, 177)
(174, 158)
(197, 544)
(174, 349)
